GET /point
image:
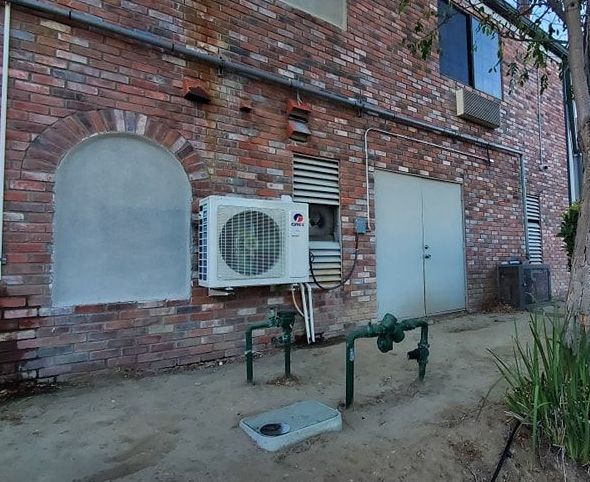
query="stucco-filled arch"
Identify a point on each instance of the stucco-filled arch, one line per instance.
(121, 223)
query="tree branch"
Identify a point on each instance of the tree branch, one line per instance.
(557, 8)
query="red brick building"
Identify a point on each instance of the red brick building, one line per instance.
(73, 81)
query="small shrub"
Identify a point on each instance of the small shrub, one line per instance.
(569, 225)
(549, 386)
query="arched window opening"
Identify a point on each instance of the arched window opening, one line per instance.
(122, 223)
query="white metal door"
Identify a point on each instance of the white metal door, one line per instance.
(444, 259)
(420, 246)
(398, 228)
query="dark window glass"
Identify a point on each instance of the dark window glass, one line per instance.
(453, 41)
(468, 52)
(487, 74)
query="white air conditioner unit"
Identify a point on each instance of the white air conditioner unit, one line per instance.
(250, 242)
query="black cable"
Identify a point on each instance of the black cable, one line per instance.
(506, 451)
(344, 281)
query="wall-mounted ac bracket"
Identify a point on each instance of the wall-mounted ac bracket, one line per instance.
(221, 292)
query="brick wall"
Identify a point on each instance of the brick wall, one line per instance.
(68, 82)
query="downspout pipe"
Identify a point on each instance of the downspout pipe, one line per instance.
(3, 116)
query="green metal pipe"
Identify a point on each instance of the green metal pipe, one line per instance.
(421, 353)
(249, 354)
(388, 331)
(284, 320)
(287, 343)
(364, 332)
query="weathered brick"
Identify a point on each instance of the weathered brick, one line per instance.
(70, 85)
(25, 313)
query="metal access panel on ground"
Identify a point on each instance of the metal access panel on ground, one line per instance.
(420, 246)
(297, 422)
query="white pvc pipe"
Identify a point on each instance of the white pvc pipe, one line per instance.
(3, 113)
(305, 315)
(295, 301)
(311, 318)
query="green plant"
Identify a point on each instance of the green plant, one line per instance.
(569, 225)
(549, 386)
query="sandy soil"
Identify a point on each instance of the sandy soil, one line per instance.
(184, 426)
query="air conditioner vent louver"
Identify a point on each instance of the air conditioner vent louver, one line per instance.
(476, 108)
(203, 238)
(250, 242)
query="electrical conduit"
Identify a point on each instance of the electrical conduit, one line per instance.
(252, 72)
(3, 114)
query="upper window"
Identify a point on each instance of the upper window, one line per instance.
(468, 50)
(122, 223)
(333, 11)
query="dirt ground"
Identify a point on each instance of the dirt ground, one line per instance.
(184, 426)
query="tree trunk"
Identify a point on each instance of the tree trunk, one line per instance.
(578, 298)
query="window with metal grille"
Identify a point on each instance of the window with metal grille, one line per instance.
(535, 238)
(316, 182)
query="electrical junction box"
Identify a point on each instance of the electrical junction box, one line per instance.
(252, 242)
(360, 226)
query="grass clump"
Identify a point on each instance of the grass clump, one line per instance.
(549, 386)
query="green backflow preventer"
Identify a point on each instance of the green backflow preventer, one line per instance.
(388, 331)
(284, 320)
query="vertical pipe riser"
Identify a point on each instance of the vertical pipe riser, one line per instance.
(393, 332)
(249, 361)
(287, 341)
(349, 373)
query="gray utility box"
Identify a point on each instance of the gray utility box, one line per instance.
(523, 285)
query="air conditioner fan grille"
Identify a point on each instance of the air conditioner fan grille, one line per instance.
(251, 244)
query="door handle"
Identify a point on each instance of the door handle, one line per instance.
(426, 246)
(427, 256)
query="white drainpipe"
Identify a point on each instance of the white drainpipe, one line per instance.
(3, 112)
(311, 316)
(305, 312)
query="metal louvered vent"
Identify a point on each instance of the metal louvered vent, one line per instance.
(316, 182)
(535, 237)
(251, 243)
(327, 261)
(477, 108)
(202, 233)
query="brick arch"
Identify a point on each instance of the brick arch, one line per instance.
(51, 146)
